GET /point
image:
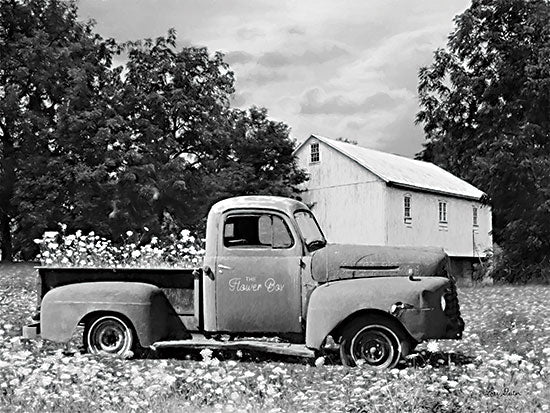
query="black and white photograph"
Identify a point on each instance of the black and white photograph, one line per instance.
(274, 206)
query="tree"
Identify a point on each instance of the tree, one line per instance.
(347, 140)
(485, 107)
(53, 71)
(106, 149)
(186, 148)
(174, 110)
(258, 158)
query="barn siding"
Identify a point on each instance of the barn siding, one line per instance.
(459, 237)
(347, 200)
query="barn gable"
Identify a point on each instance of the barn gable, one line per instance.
(331, 167)
(340, 190)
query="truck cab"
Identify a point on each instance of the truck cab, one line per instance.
(258, 265)
(268, 271)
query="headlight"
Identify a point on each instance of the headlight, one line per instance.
(443, 302)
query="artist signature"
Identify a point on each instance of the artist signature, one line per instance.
(492, 392)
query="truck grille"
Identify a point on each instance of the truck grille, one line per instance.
(452, 311)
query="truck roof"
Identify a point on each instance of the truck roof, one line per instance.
(278, 203)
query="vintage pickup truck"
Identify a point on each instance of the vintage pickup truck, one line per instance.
(268, 273)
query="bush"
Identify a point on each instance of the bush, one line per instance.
(513, 272)
(502, 267)
(485, 269)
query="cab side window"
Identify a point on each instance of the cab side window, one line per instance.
(256, 231)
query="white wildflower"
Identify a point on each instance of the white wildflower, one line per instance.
(513, 358)
(320, 361)
(432, 346)
(206, 354)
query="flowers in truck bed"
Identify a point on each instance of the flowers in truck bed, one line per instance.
(79, 250)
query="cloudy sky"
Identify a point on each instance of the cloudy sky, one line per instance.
(344, 68)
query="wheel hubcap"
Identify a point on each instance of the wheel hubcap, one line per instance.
(109, 335)
(110, 338)
(375, 345)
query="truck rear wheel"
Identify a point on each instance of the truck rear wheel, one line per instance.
(372, 341)
(109, 334)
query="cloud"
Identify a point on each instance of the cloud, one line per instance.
(239, 99)
(238, 57)
(280, 59)
(264, 76)
(249, 33)
(315, 102)
(355, 125)
(274, 59)
(395, 61)
(402, 137)
(295, 30)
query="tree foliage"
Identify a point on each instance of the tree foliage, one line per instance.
(257, 158)
(174, 106)
(52, 75)
(152, 144)
(485, 108)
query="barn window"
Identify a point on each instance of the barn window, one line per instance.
(314, 148)
(443, 211)
(407, 218)
(474, 217)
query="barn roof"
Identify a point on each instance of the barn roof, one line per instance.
(403, 172)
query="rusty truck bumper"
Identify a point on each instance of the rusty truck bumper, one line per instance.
(455, 323)
(430, 319)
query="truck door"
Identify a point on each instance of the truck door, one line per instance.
(258, 274)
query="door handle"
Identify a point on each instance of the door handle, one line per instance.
(223, 267)
(208, 272)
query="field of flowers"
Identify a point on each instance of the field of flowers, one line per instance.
(502, 364)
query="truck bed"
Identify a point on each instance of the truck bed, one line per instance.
(178, 284)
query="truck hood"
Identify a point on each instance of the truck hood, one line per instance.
(340, 261)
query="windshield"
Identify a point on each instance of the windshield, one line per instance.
(310, 230)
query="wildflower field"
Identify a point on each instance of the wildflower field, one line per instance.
(502, 364)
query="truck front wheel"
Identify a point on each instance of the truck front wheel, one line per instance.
(109, 334)
(372, 341)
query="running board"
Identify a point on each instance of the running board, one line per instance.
(199, 342)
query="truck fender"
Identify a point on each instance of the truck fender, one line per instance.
(144, 305)
(331, 305)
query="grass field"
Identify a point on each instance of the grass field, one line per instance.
(502, 364)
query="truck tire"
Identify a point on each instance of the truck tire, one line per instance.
(109, 334)
(374, 341)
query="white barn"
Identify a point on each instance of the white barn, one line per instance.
(364, 196)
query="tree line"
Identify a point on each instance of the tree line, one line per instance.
(485, 109)
(150, 144)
